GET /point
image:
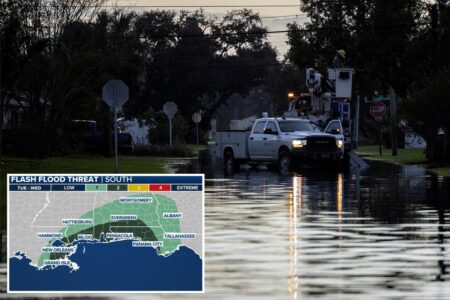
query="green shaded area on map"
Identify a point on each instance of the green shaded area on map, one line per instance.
(149, 224)
(138, 228)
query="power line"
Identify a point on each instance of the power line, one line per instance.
(257, 32)
(286, 16)
(208, 6)
(205, 34)
(261, 32)
(184, 6)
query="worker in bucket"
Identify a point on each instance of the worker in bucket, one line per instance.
(338, 61)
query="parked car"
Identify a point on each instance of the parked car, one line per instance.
(92, 139)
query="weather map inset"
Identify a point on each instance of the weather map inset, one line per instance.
(105, 233)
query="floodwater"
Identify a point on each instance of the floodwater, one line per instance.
(383, 233)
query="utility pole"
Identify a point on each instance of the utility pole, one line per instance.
(2, 106)
(356, 124)
(393, 117)
(439, 36)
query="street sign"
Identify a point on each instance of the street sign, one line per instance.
(376, 99)
(381, 98)
(213, 124)
(115, 93)
(196, 118)
(377, 110)
(170, 109)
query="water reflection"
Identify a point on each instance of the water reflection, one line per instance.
(295, 198)
(378, 233)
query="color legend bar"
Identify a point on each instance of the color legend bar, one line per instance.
(105, 183)
(117, 187)
(138, 188)
(95, 187)
(159, 187)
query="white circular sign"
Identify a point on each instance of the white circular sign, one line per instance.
(196, 117)
(115, 93)
(170, 109)
(213, 124)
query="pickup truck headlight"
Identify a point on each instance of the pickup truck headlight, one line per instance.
(298, 143)
(339, 143)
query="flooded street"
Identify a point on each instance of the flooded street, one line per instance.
(377, 233)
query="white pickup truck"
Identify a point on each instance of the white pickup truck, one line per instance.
(286, 141)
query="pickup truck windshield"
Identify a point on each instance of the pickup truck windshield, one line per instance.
(291, 126)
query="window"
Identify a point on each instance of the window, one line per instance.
(315, 127)
(291, 126)
(334, 128)
(271, 125)
(259, 127)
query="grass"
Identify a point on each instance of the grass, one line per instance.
(127, 164)
(404, 157)
(443, 171)
(196, 148)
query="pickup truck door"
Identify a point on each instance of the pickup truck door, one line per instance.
(255, 141)
(270, 141)
(335, 128)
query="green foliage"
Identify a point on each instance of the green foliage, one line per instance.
(189, 58)
(280, 81)
(238, 21)
(428, 103)
(400, 44)
(162, 150)
(375, 34)
(427, 109)
(159, 130)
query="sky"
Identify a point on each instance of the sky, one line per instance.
(274, 18)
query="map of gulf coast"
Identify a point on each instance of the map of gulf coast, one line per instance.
(105, 240)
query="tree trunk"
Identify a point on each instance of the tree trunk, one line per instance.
(1, 124)
(210, 111)
(2, 107)
(105, 130)
(394, 127)
(430, 148)
(446, 155)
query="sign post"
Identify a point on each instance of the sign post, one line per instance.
(378, 110)
(170, 109)
(197, 118)
(115, 93)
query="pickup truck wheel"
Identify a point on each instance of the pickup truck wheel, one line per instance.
(230, 163)
(285, 161)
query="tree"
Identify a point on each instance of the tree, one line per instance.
(428, 105)
(243, 56)
(37, 56)
(382, 39)
(59, 65)
(199, 62)
(280, 80)
(375, 33)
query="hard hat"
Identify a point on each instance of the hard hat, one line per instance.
(341, 52)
